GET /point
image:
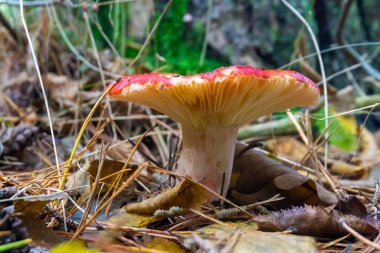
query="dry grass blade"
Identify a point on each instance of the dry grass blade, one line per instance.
(148, 38)
(357, 235)
(320, 61)
(103, 150)
(122, 187)
(83, 128)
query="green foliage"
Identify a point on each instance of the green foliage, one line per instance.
(345, 136)
(113, 22)
(179, 44)
(175, 46)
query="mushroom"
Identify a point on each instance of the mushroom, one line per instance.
(210, 107)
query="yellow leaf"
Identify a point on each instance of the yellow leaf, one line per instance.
(74, 247)
(211, 229)
(186, 195)
(133, 220)
(165, 245)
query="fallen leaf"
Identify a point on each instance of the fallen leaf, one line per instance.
(132, 220)
(30, 207)
(28, 212)
(287, 146)
(62, 89)
(109, 168)
(72, 247)
(347, 170)
(267, 242)
(314, 221)
(165, 245)
(186, 195)
(368, 150)
(211, 229)
(294, 150)
(345, 137)
(121, 152)
(271, 178)
(239, 241)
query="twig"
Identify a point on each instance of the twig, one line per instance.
(203, 186)
(211, 218)
(338, 73)
(116, 193)
(357, 235)
(305, 57)
(297, 125)
(319, 56)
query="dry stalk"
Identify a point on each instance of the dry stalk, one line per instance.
(357, 235)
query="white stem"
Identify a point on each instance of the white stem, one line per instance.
(207, 156)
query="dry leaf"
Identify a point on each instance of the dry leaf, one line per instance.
(132, 219)
(29, 207)
(270, 178)
(294, 150)
(109, 168)
(121, 152)
(287, 146)
(314, 221)
(28, 212)
(211, 229)
(368, 150)
(238, 241)
(184, 195)
(62, 89)
(165, 245)
(347, 170)
(89, 171)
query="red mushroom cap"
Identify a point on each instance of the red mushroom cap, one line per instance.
(227, 96)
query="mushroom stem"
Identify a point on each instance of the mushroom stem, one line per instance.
(207, 156)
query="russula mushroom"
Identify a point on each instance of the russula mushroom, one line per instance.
(210, 108)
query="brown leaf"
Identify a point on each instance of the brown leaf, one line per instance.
(122, 151)
(184, 195)
(314, 221)
(41, 235)
(287, 146)
(258, 177)
(62, 89)
(368, 150)
(293, 149)
(123, 218)
(109, 168)
(347, 170)
(110, 172)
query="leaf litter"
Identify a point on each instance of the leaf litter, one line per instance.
(151, 214)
